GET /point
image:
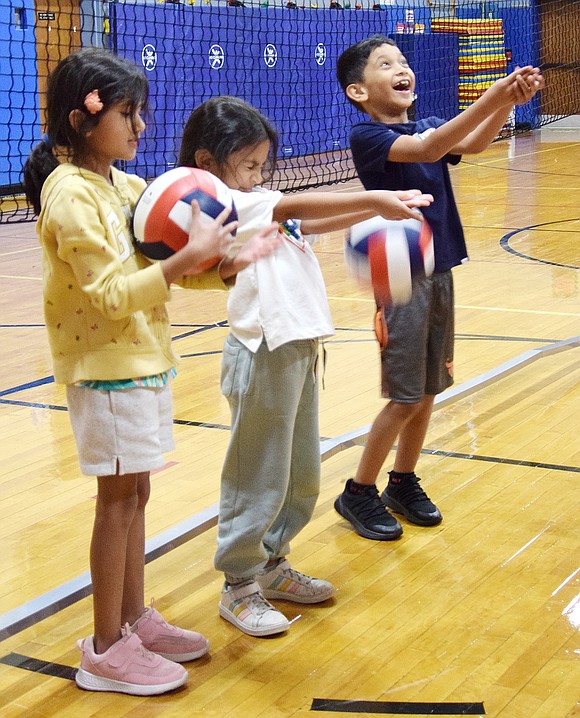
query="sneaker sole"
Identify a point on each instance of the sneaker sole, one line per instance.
(184, 657)
(89, 682)
(398, 508)
(296, 598)
(361, 530)
(252, 630)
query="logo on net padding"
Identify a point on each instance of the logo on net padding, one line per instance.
(149, 57)
(270, 55)
(216, 57)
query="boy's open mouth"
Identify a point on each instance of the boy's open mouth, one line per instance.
(402, 85)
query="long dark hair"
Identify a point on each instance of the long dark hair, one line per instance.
(224, 125)
(115, 79)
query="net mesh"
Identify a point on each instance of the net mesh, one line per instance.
(280, 56)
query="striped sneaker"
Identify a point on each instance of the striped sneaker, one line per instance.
(283, 582)
(245, 607)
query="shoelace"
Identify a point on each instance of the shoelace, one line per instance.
(258, 602)
(370, 505)
(409, 491)
(296, 576)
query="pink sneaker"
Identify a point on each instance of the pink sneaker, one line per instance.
(176, 644)
(127, 667)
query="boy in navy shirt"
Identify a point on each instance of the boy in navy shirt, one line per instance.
(416, 339)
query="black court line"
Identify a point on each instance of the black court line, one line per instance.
(58, 670)
(398, 707)
(431, 452)
(504, 244)
(499, 460)
(200, 354)
(47, 668)
(201, 424)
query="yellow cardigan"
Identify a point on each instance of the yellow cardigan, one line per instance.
(104, 304)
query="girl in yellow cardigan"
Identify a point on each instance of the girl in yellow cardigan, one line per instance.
(110, 341)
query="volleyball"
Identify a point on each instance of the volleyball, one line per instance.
(387, 254)
(162, 215)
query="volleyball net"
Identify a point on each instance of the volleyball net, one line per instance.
(280, 55)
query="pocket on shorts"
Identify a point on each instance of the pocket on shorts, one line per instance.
(236, 368)
(381, 331)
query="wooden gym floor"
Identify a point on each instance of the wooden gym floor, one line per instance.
(478, 616)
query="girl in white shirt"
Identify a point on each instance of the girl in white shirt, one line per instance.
(278, 312)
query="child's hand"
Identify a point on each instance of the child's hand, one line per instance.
(208, 239)
(259, 245)
(526, 86)
(516, 86)
(402, 204)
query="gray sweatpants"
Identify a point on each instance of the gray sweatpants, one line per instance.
(271, 474)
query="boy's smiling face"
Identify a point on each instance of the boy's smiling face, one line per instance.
(387, 89)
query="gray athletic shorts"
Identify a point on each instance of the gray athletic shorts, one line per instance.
(124, 431)
(416, 341)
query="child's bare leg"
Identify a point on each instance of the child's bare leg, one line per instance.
(134, 586)
(403, 494)
(390, 421)
(412, 436)
(117, 502)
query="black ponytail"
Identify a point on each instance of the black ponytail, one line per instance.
(76, 76)
(37, 168)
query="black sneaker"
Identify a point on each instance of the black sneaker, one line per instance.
(367, 513)
(408, 498)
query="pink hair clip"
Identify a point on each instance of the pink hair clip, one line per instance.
(93, 102)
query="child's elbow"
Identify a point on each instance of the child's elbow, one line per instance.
(431, 154)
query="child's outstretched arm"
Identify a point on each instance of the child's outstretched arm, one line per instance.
(342, 209)
(413, 199)
(523, 89)
(206, 240)
(259, 245)
(496, 102)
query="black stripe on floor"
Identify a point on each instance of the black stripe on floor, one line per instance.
(398, 708)
(56, 670)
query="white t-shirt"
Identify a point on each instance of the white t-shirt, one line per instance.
(282, 297)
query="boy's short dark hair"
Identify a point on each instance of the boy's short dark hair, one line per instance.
(352, 62)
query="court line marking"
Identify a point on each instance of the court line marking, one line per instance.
(358, 436)
(47, 604)
(46, 668)
(70, 592)
(398, 707)
(519, 311)
(547, 312)
(17, 276)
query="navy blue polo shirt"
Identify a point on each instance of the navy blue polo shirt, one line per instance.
(371, 142)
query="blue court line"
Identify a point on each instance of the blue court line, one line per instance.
(66, 594)
(28, 385)
(50, 379)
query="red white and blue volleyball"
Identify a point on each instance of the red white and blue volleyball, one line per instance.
(386, 255)
(162, 214)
